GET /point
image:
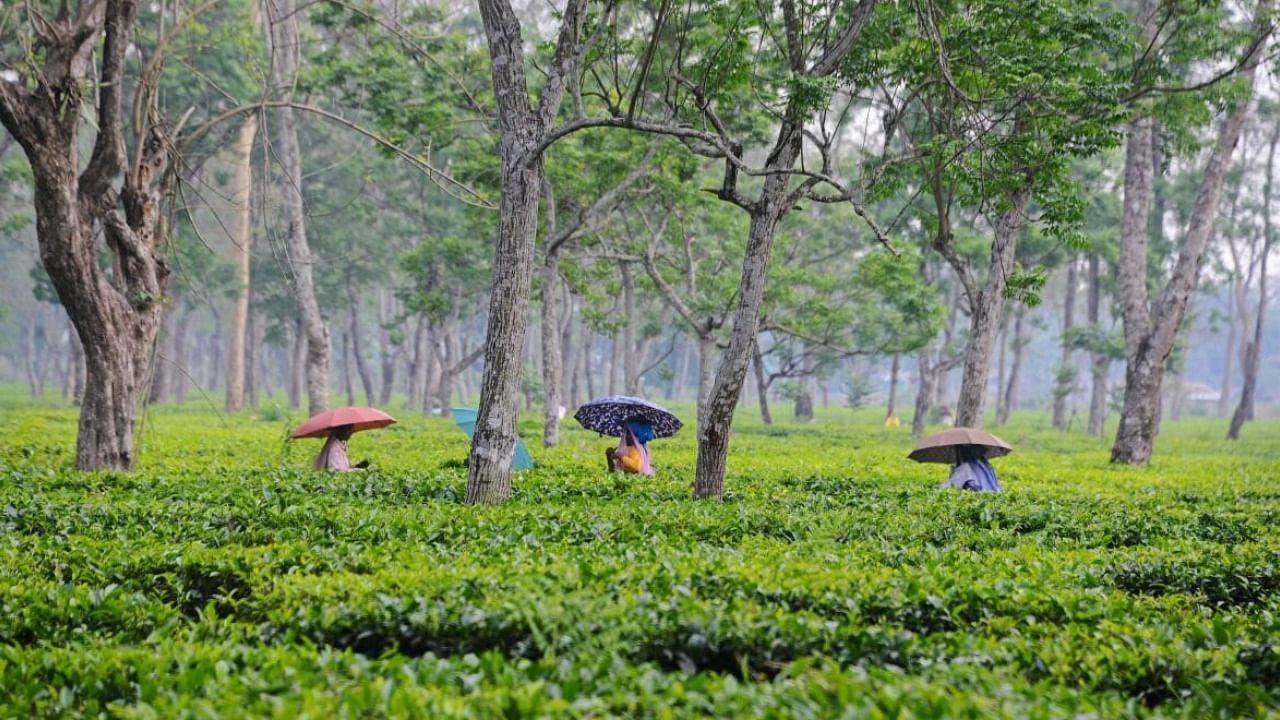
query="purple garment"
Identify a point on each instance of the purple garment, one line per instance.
(973, 472)
(629, 440)
(333, 456)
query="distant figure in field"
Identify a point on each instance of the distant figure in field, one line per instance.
(945, 417)
(333, 456)
(972, 471)
(632, 453)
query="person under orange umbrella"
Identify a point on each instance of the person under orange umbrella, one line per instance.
(338, 426)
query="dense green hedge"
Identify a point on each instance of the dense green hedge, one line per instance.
(225, 579)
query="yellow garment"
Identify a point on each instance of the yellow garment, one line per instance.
(891, 421)
(630, 459)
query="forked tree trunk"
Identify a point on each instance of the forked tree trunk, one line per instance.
(1253, 348)
(1100, 362)
(713, 436)
(1066, 374)
(117, 315)
(241, 238)
(283, 15)
(1150, 329)
(988, 310)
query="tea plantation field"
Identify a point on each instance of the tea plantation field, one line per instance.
(224, 579)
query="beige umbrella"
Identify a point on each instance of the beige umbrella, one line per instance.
(945, 446)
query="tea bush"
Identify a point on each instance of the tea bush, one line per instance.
(225, 579)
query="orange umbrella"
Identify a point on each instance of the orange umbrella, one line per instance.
(359, 418)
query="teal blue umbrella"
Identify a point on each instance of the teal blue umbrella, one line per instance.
(466, 419)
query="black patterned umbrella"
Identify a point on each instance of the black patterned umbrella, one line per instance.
(608, 415)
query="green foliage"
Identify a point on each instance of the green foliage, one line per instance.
(221, 578)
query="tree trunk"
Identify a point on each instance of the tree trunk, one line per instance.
(353, 328)
(253, 357)
(713, 437)
(1101, 363)
(1010, 402)
(34, 340)
(568, 354)
(804, 405)
(1065, 380)
(298, 366)
(418, 366)
(706, 375)
(891, 408)
(284, 65)
(924, 394)
(1253, 348)
(389, 353)
(987, 310)
(551, 345)
(1002, 366)
(762, 386)
(1150, 331)
(1228, 358)
(241, 238)
(347, 386)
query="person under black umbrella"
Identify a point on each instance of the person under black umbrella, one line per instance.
(635, 422)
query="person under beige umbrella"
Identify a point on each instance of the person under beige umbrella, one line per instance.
(967, 451)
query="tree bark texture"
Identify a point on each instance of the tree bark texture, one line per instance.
(1150, 329)
(987, 310)
(241, 240)
(285, 52)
